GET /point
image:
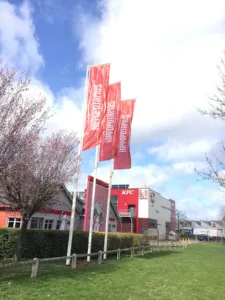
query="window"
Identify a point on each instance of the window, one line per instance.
(36, 223)
(14, 222)
(58, 224)
(131, 209)
(48, 224)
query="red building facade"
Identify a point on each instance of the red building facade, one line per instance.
(142, 209)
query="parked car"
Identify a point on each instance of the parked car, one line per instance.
(173, 236)
(204, 237)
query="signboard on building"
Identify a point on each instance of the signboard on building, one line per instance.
(213, 232)
(127, 192)
(101, 195)
(213, 225)
(152, 197)
(143, 194)
(199, 231)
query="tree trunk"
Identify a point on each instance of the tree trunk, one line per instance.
(21, 240)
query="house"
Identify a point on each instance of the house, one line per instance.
(142, 209)
(46, 218)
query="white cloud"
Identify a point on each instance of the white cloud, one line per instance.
(219, 198)
(166, 56)
(65, 106)
(150, 175)
(18, 44)
(196, 208)
(177, 150)
(188, 168)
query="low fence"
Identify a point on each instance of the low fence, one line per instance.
(36, 261)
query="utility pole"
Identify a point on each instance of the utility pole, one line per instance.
(195, 226)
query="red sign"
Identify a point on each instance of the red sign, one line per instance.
(126, 111)
(143, 194)
(127, 192)
(97, 88)
(108, 148)
(101, 195)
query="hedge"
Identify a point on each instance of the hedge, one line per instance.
(53, 243)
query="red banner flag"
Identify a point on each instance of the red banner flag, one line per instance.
(97, 88)
(108, 147)
(126, 111)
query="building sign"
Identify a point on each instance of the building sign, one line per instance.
(199, 231)
(100, 205)
(152, 197)
(143, 194)
(127, 192)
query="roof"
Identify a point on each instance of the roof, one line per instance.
(70, 197)
(6, 204)
(98, 181)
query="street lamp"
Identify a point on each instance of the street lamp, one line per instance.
(195, 227)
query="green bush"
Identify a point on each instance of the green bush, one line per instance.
(53, 243)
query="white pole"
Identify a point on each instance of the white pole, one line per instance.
(93, 202)
(108, 209)
(76, 179)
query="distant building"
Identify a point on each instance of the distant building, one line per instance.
(46, 218)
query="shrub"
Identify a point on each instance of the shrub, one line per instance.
(53, 243)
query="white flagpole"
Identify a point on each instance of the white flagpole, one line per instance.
(79, 157)
(93, 202)
(108, 209)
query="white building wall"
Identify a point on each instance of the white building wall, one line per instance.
(61, 203)
(143, 203)
(160, 211)
(54, 217)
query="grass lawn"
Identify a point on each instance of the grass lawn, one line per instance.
(194, 273)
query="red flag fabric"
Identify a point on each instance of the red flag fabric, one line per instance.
(126, 111)
(108, 147)
(97, 88)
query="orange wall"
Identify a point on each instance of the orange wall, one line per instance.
(4, 215)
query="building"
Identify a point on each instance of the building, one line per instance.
(143, 209)
(201, 227)
(48, 218)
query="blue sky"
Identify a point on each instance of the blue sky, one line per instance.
(166, 54)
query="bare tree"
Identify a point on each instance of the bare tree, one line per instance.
(33, 167)
(215, 170)
(181, 217)
(222, 214)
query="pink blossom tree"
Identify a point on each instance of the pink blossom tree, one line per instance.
(33, 167)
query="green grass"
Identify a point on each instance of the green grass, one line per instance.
(194, 273)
